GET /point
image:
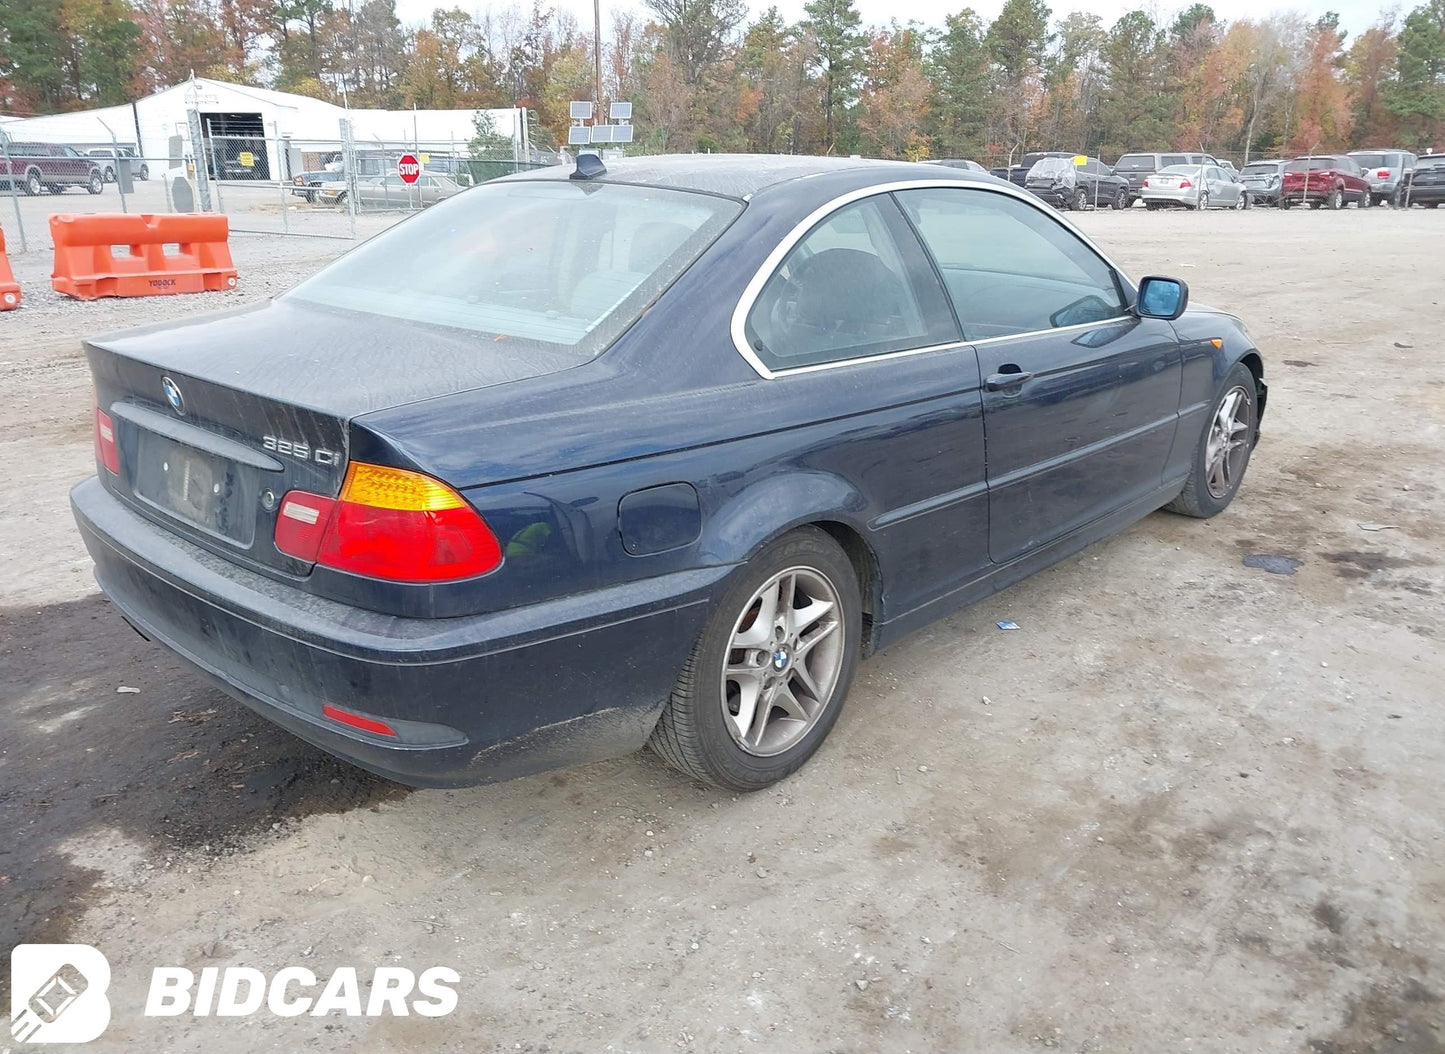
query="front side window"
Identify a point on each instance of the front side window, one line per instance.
(1010, 267)
(857, 285)
(534, 265)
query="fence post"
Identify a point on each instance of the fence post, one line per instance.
(348, 164)
(115, 157)
(280, 174)
(14, 197)
(198, 153)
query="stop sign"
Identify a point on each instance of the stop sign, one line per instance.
(408, 168)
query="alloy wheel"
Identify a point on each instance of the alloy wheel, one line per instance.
(1227, 449)
(785, 656)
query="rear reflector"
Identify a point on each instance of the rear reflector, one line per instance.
(105, 448)
(361, 721)
(391, 524)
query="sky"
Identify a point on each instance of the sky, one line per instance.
(1355, 15)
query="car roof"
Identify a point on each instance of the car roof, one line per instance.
(738, 175)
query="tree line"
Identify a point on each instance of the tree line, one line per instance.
(702, 76)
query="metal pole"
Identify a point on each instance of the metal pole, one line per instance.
(198, 154)
(14, 198)
(281, 179)
(115, 156)
(348, 161)
(597, 47)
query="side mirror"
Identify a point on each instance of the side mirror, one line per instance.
(1161, 297)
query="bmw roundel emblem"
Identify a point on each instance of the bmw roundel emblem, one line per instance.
(173, 395)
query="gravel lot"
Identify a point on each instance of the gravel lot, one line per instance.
(1189, 806)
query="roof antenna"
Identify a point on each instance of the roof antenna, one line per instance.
(589, 166)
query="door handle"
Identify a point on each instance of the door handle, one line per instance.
(1003, 381)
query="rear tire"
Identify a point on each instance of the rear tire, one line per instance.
(1285, 203)
(1121, 200)
(96, 183)
(705, 730)
(1225, 445)
(1336, 200)
(1080, 200)
(33, 186)
(1203, 202)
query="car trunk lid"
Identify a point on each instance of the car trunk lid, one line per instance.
(216, 420)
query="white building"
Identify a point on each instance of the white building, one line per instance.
(287, 131)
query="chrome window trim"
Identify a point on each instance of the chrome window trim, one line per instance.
(754, 288)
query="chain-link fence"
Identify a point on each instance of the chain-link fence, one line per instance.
(265, 183)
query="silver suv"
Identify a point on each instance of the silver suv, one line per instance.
(1386, 171)
(1135, 168)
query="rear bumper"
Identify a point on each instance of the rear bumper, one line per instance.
(474, 699)
(1426, 194)
(1055, 196)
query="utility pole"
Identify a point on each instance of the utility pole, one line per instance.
(597, 47)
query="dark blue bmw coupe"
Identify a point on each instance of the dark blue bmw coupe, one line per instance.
(583, 460)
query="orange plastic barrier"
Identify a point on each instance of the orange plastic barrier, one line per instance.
(87, 265)
(9, 288)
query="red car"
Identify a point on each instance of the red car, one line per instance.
(1324, 180)
(36, 167)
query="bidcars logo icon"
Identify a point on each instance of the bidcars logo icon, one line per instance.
(173, 395)
(57, 993)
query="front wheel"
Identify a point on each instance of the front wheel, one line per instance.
(95, 184)
(145, 173)
(768, 676)
(33, 186)
(1365, 201)
(1241, 202)
(1223, 451)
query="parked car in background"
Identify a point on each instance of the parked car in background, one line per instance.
(1385, 171)
(1135, 168)
(1018, 174)
(390, 192)
(369, 165)
(37, 167)
(1324, 181)
(511, 528)
(1194, 187)
(958, 162)
(1425, 185)
(1228, 166)
(1262, 180)
(1066, 185)
(106, 158)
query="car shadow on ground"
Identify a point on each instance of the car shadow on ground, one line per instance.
(173, 765)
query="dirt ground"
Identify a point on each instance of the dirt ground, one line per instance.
(1190, 805)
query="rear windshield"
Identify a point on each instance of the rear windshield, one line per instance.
(1173, 159)
(1371, 160)
(1260, 170)
(544, 262)
(1313, 164)
(1052, 166)
(1180, 170)
(1135, 163)
(1435, 161)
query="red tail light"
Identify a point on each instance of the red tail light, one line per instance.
(1184, 184)
(389, 523)
(1145, 183)
(105, 448)
(1383, 173)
